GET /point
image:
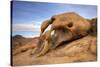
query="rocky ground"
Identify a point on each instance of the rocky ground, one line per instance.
(81, 50)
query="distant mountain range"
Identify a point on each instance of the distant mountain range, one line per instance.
(18, 41)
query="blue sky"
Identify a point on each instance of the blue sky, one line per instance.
(28, 16)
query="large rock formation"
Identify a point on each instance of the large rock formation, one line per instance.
(72, 41)
(67, 27)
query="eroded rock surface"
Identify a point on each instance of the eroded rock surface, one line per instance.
(80, 50)
(72, 41)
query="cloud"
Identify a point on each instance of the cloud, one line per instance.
(31, 36)
(25, 28)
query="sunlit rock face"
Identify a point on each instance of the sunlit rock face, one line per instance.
(69, 26)
(66, 27)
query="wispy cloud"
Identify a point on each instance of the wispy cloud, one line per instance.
(31, 36)
(25, 28)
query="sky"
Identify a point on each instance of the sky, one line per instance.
(28, 16)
